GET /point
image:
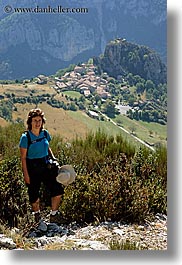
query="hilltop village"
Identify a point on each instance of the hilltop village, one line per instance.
(82, 79)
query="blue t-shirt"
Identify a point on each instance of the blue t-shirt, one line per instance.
(37, 149)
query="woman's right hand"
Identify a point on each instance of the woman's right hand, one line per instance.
(23, 152)
(27, 179)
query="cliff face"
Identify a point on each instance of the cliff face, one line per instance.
(122, 57)
(33, 43)
(62, 39)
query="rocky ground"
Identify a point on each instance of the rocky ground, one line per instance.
(49, 236)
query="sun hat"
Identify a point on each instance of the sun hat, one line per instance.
(66, 175)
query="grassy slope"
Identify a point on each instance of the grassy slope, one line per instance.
(71, 124)
(21, 90)
(68, 124)
(148, 131)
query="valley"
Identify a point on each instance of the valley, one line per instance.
(71, 124)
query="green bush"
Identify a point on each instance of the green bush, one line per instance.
(114, 192)
(13, 195)
(6, 109)
(9, 139)
(151, 170)
(87, 154)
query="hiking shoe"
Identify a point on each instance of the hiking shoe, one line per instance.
(37, 217)
(57, 218)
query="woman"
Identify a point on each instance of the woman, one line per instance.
(34, 165)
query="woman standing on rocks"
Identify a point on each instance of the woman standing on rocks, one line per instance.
(34, 150)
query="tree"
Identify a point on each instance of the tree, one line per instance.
(149, 85)
(156, 94)
(97, 98)
(5, 112)
(131, 100)
(140, 87)
(130, 114)
(133, 129)
(81, 106)
(73, 107)
(145, 115)
(82, 99)
(109, 108)
(136, 115)
(90, 61)
(138, 79)
(150, 133)
(130, 79)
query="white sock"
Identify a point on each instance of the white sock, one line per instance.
(36, 212)
(54, 212)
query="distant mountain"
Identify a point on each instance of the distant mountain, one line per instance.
(33, 43)
(122, 57)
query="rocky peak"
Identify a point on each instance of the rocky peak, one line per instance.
(122, 57)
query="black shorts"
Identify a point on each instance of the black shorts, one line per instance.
(38, 174)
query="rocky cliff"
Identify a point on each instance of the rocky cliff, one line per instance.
(33, 43)
(122, 57)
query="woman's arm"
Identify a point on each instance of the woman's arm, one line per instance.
(23, 153)
(51, 154)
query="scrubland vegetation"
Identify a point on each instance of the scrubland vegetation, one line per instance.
(115, 180)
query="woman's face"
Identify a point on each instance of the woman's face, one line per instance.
(36, 123)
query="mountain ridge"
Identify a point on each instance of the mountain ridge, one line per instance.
(53, 41)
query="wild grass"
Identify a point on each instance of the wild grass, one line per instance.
(18, 238)
(124, 245)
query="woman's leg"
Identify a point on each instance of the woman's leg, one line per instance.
(36, 206)
(55, 202)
